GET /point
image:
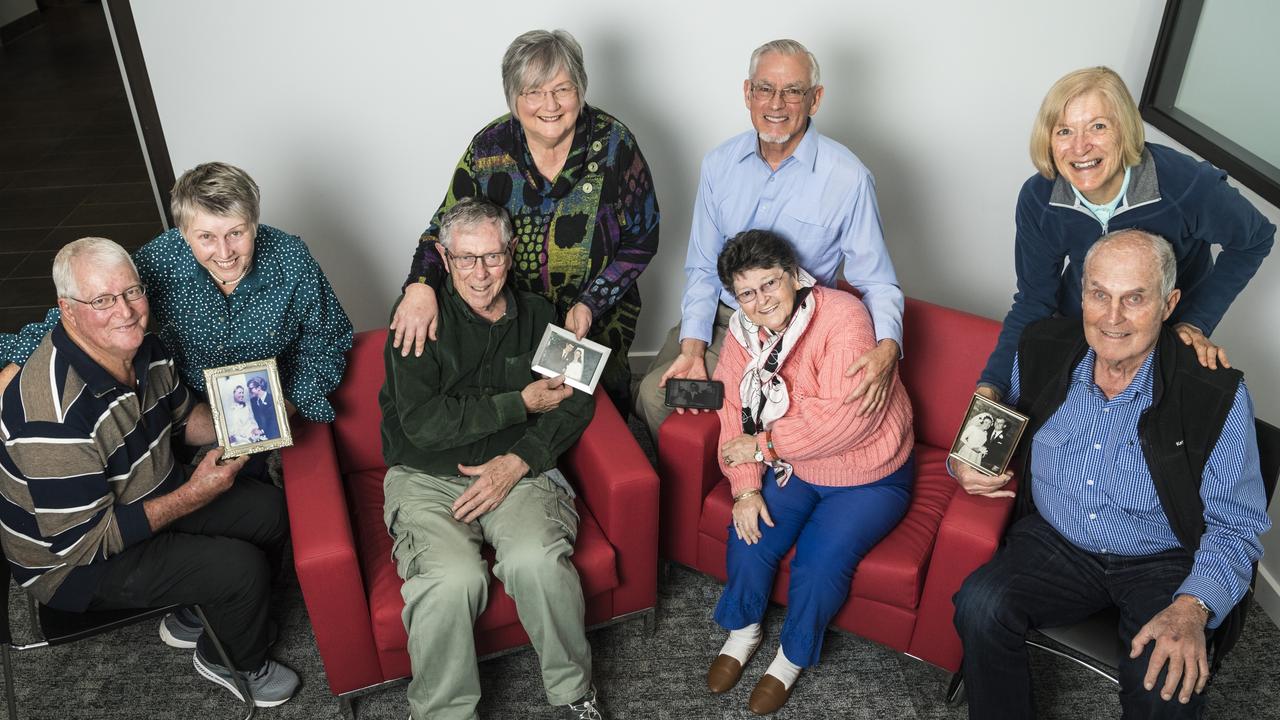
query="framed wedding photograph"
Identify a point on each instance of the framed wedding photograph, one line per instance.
(988, 436)
(581, 362)
(248, 407)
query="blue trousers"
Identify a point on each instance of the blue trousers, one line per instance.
(832, 528)
(1039, 579)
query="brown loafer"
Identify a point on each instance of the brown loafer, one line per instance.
(723, 674)
(768, 696)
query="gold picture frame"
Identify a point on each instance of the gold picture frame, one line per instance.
(988, 436)
(248, 407)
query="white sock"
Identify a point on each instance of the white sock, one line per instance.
(784, 669)
(742, 643)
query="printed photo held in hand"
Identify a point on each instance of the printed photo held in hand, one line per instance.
(988, 436)
(581, 362)
(248, 411)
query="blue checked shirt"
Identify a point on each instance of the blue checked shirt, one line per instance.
(1091, 482)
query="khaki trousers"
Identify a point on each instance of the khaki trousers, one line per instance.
(446, 585)
(651, 400)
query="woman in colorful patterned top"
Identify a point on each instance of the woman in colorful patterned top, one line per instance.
(225, 290)
(580, 197)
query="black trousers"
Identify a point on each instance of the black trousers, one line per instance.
(1039, 579)
(220, 557)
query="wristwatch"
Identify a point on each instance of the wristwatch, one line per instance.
(759, 456)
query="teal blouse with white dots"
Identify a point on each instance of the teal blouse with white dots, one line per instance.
(284, 308)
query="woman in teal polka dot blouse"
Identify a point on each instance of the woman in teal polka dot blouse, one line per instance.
(224, 290)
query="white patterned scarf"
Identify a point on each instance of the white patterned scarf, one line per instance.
(764, 393)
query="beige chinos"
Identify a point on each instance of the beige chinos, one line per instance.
(446, 585)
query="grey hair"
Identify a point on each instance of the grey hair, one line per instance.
(103, 253)
(786, 47)
(1166, 261)
(535, 57)
(470, 212)
(216, 188)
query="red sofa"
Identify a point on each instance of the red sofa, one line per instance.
(342, 551)
(901, 593)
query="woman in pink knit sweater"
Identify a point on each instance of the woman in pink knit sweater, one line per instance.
(806, 470)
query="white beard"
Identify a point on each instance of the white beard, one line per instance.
(775, 139)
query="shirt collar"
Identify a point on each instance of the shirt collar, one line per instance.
(1140, 384)
(806, 153)
(95, 377)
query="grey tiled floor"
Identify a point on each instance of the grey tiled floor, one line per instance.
(70, 161)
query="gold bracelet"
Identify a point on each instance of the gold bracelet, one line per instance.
(745, 494)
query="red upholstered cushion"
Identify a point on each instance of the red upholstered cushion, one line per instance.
(893, 572)
(358, 427)
(945, 351)
(593, 556)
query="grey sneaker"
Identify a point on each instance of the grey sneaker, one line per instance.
(270, 685)
(586, 708)
(181, 629)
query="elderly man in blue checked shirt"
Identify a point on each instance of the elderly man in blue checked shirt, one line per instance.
(1145, 494)
(782, 175)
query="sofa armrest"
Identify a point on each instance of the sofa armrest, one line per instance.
(971, 529)
(324, 554)
(617, 483)
(688, 471)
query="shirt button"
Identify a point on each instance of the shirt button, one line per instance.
(1104, 551)
(1092, 516)
(592, 167)
(770, 178)
(587, 188)
(1096, 446)
(1090, 482)
(596, 146)
(1106, 410)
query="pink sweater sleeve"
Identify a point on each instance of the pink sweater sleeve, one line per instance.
(819, 423)
(733, 360)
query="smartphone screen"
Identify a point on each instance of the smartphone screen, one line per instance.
(699, 394)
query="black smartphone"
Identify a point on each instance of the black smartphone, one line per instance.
(699, 394)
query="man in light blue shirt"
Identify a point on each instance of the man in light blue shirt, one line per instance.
(783, 176)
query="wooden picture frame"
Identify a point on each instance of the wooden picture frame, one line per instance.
(988, 436)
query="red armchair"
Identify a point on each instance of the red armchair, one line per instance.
(342, 551)
(901, 593)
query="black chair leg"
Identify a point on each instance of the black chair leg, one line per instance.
(955, 690)
(236, 677)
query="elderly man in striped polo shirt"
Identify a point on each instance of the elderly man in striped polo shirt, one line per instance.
(96, 512)
(1141, 490)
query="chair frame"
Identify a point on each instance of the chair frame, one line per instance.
(107, 621)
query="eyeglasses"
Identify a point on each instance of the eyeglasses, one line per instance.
(748, 296)
(763, 92)
(564, 93)
(466, 262)
(133, 293)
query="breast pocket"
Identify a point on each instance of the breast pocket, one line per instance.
(1050, 457)
(805, 227)
(1130, 487)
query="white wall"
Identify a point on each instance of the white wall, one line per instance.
(11, 10)
(351, 117)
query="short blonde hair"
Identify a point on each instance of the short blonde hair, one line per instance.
(1105, 82)
(216, 188)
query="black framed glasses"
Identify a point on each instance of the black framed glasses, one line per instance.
(133, 293)
(466, 262)
(764, 92)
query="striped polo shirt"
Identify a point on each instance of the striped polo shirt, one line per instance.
(80, 454)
